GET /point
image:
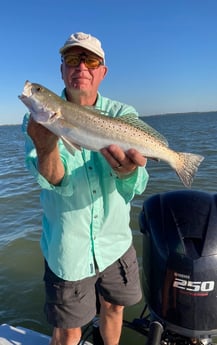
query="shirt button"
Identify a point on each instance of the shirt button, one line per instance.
(95, 216)
(94, 191)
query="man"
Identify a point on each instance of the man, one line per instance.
(86, 239)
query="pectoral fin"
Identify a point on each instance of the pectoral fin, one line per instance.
(71, 147)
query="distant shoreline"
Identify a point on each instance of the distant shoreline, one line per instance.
(188, 113)
(142, 116)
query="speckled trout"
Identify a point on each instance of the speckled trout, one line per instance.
(87, 127)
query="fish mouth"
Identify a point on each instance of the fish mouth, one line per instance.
(27, 91)
(26, 96)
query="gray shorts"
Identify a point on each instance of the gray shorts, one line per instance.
(73, 304)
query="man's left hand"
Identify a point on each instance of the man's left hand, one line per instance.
(124, 163)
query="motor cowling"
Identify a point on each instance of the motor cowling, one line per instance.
(180, 260)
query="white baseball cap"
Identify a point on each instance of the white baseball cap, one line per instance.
(80, 39)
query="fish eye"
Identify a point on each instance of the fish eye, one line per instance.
(38, 88)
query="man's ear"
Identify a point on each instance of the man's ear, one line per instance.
(105, 70)
(61, 70)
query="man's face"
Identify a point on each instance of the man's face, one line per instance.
(82, 77)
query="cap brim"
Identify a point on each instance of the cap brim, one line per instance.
(68, 46)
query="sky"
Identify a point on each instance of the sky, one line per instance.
(161, 54)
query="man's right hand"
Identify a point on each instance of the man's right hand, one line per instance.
(49, 162)
(43, 138)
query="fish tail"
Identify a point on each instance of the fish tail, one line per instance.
(186, 167)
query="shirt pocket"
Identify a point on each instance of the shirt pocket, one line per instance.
(129, 265)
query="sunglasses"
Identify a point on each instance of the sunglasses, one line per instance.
(74, 60)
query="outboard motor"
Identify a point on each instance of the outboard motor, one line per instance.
(180, 261)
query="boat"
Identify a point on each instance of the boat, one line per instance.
(10, 335)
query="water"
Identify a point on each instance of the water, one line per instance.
(21, 270)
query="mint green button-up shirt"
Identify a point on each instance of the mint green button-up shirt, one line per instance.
(88, 215)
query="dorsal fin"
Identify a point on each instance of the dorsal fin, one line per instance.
(140, 124)
(131, 119)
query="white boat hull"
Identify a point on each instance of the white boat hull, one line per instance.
(10, 335)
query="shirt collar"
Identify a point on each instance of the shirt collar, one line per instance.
(98, 101)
